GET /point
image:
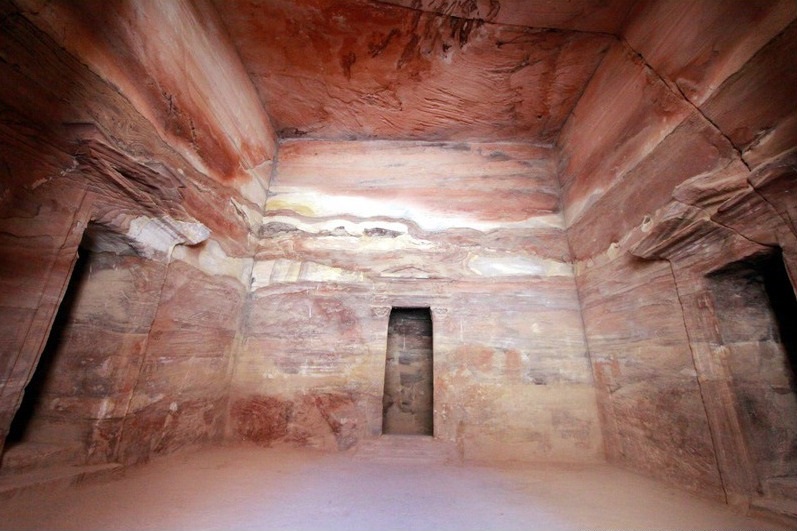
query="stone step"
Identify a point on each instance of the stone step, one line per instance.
(783, 487)
(407, 448)
(56, 477)
(776, 507)
(779, 498)
(27, 456)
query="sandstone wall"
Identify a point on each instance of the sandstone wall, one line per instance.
(652, 412)
(360, 70)
(176, 66)
(473, 231)
(181, 396)
(94, 352)
(691, 126)
(87, 157)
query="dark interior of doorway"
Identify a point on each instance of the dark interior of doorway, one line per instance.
(781, 294)
(407, 407)
(762, 289)
(756, 313)
(20, 426)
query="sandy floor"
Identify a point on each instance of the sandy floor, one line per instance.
(251, 488)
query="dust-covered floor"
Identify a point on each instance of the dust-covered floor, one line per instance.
(255, 488)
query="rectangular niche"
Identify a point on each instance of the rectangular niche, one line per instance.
(408, 398)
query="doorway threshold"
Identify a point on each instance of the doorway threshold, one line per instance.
(408, 449)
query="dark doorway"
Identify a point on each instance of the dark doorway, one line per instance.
(407, 404)
(19, 431)
(757, 317)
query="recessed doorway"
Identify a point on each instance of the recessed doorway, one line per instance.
(756, 310)
(34, 437)
(408, 400)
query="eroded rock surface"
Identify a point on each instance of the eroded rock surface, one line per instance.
(354, 229)
(363, 70)
(571, 188)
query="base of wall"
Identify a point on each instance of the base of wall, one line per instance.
(56, 478)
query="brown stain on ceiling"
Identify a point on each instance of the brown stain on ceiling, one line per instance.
(355, 70)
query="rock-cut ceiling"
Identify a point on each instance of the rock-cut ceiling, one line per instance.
(421, 69)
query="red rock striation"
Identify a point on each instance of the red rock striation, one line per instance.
(593, 198)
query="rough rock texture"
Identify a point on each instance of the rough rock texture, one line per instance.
(572, 188)
(353, 229)
(91, 363)
(652, 412)
(82, 162)
(689, 134)
(604, 16)
(359, 70)
(181, 395)
(219, 125)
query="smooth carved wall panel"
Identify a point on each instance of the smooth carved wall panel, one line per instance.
(700, 44)
(180, 397)
(755, 107)
(353, 229)
(693, 149)
(651, 408)
(633, 109)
